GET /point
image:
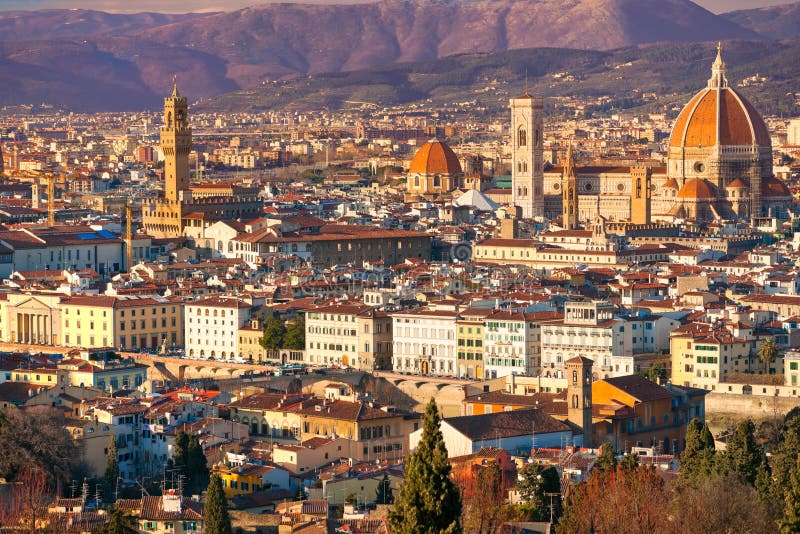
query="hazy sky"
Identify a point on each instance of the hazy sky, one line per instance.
(184, 6)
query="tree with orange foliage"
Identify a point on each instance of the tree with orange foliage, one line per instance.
(631, 500)
(24, 508)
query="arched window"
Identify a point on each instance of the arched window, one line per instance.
(575, 401)
(437, 181)
(522, 137)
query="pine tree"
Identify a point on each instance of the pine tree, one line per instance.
(383, 495)
(215, 513)
(697, 460)
(428, 501)
(791, 514)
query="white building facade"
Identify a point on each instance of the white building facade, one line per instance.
(212, 327)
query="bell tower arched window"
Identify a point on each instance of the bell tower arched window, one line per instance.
(522, 137)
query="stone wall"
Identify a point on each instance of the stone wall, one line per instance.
(756, 406)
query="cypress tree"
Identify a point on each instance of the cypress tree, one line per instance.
(697, 459)
(197, 465)
(606, 461)
(743, 457)
(215, 512)
(181, 454)
(383, 495)
(428, 501)
(112, 470)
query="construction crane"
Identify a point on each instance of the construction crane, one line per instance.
(128, 235)
(51, 200)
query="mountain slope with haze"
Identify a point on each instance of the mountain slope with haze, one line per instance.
(96, 61)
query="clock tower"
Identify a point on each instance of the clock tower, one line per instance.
(176, 143)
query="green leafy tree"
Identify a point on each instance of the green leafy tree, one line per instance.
(537, 486)
(118, 523)
(768, 352)
(697, 459)
(606, 461)
(629, 461)
(428, 501)
(742, 456)
(383, 494)
(295, 336)
(215, 512)
(274, 332)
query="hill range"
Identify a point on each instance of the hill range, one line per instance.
(94, 61)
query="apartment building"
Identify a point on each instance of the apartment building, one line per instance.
(512, 342)
(425, 341)
(705, 354)
(212, 327)
(126, 322)
(350, 335)
(469, 343)
(619, 345)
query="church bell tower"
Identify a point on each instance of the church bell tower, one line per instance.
(176, 143)
(569, 193)
(579, 395)
(527, 154)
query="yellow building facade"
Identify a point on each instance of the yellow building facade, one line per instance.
(127, 323)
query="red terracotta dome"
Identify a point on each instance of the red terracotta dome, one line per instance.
(737, 183)
(435, 157)
(718, 115)
(696, 189)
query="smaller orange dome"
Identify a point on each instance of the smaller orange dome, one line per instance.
(696, 188)
(435, 157)
(671, 183)
(737, 183)
(772, 187)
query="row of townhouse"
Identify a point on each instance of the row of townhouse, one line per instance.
(372, 432)
(124, 322)
(144, 430)
(479, 343)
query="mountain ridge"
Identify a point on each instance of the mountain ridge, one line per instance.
(774, 22)
(121, 63)
(672, 71)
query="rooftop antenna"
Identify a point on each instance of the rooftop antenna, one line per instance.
(526, 81)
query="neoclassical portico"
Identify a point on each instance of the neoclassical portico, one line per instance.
(33, 328)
